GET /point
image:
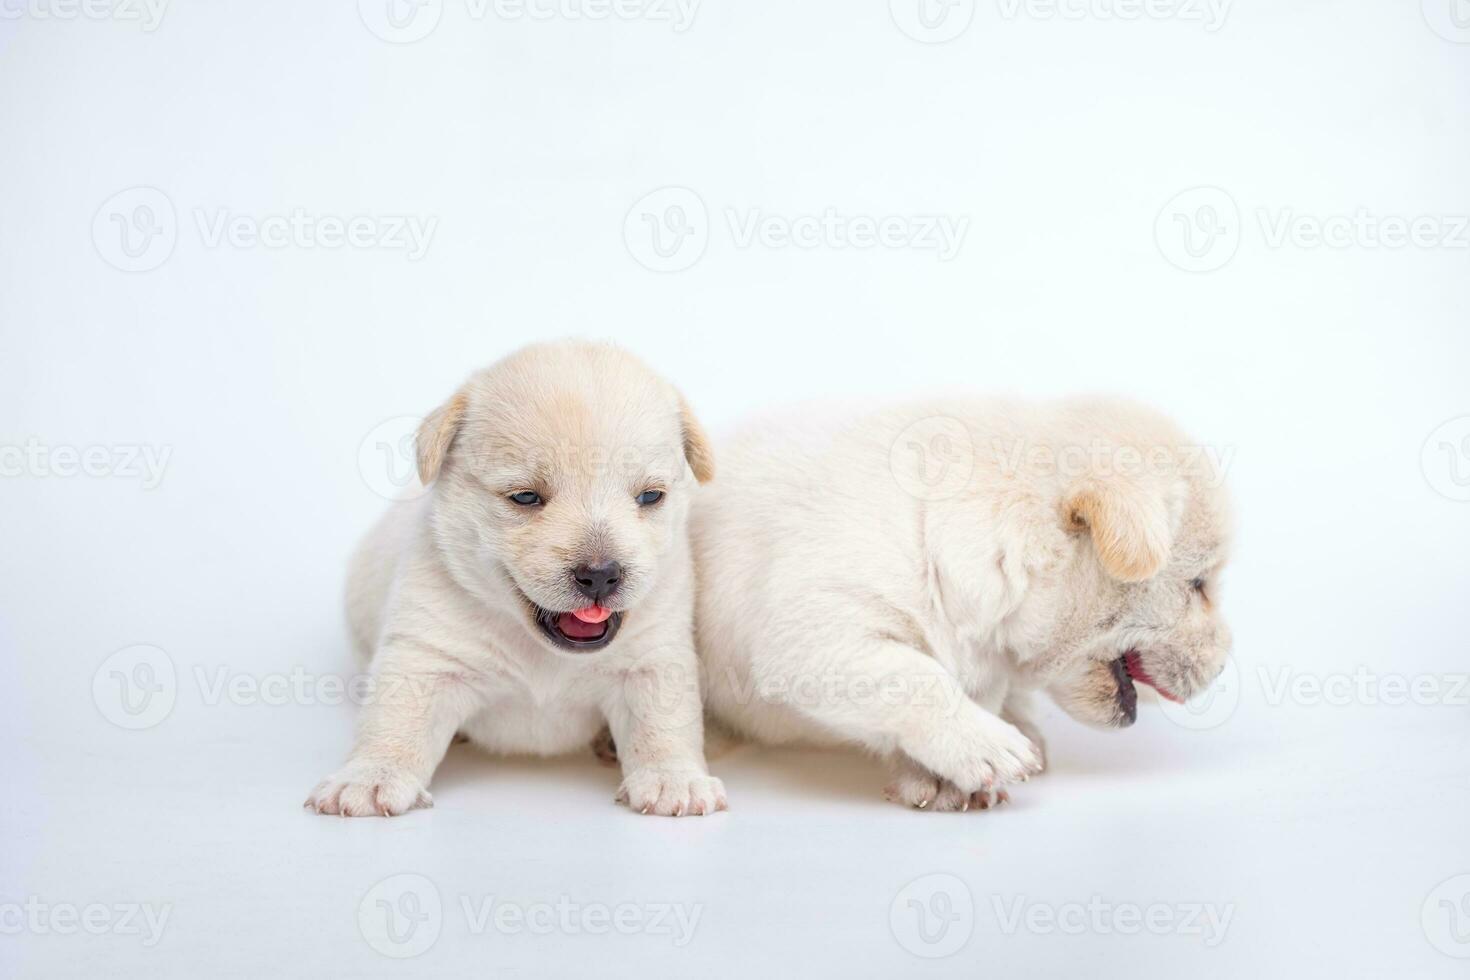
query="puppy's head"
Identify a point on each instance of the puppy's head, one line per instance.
(562, 480)
(1142, 602)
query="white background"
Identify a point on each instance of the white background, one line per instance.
(1332, 833)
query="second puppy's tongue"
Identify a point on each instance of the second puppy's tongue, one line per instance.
(585, 623)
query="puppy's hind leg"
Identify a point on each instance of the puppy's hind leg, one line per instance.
(917, 787)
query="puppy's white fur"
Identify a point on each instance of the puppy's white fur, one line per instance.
(443, 595)
(904, 579)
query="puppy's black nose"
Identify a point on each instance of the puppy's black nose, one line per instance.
(598, 581)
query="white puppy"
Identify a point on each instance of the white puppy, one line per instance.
(903, 579)
(542, 589)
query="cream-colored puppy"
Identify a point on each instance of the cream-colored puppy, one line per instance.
(541, 589)
(904, 579)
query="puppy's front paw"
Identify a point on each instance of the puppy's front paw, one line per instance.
(1033, 735)
(1001, 755)
(1019, 758)
(672, 793)
(368, 791)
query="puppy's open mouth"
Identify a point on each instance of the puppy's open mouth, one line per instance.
(1127, 694)
(582, 630)
(1128, 669)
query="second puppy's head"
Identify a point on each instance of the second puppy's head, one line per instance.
(1149, 528)
(563, 476)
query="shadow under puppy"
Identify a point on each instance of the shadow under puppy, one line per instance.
(541, 589)
(905, 579)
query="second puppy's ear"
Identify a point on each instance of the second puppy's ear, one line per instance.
(1130, 527)
(697, 450)
(436, 434)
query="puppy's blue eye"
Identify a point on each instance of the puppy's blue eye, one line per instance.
(1197, 585)
(526, 498)
(650, 497)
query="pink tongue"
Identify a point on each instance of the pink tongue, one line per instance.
(584, 624)
(592, 614)
(1139, 674)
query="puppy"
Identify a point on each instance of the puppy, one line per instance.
(904, 580)
(541, 589)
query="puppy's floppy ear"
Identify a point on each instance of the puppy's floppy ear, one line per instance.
(697, 451)
(436, 434)
(1130, 525)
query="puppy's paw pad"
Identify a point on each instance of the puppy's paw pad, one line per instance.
(362, 791)
(678, 793)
